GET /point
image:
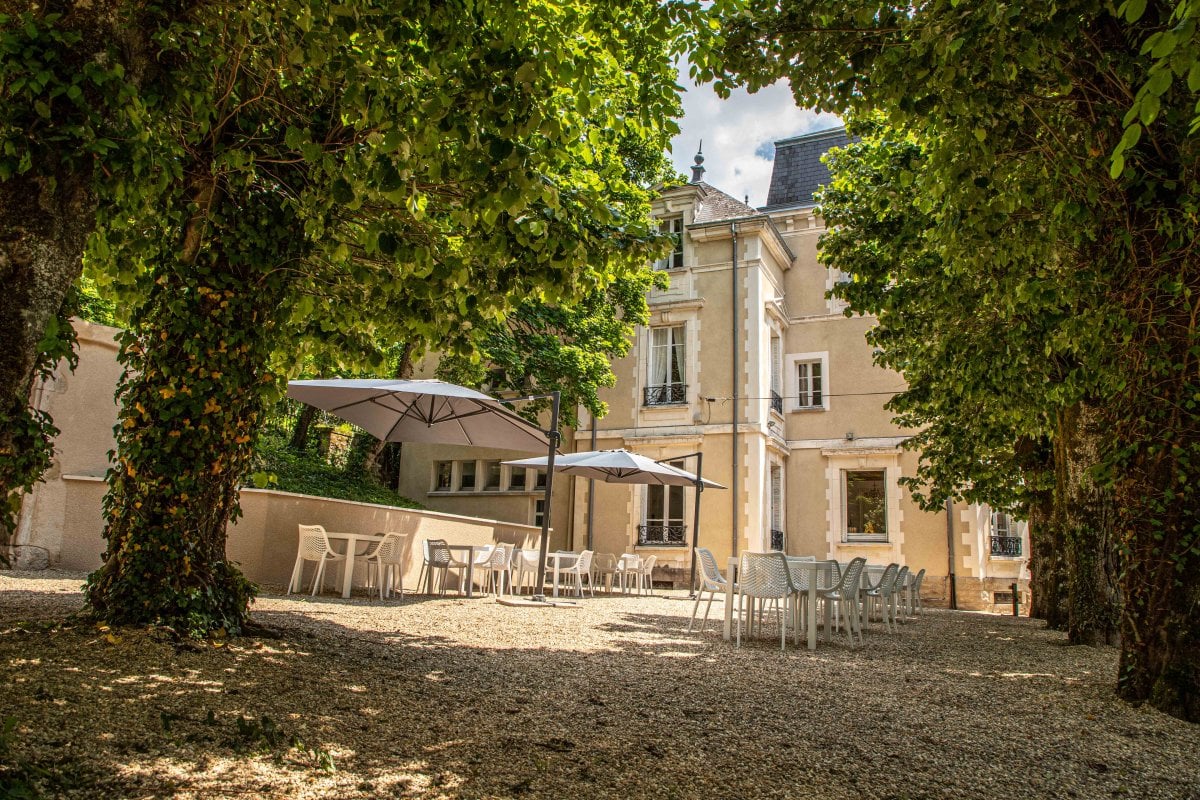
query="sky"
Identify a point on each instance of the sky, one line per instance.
(739, 135)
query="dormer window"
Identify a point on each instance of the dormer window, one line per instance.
(672, 227)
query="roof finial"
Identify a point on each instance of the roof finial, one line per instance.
(698, 167)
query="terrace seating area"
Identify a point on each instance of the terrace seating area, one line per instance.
(769, 591)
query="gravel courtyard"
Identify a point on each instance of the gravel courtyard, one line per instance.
(449, 698)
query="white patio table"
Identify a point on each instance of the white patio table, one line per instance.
(819, 577)
(352, 540)
(470, 550)
(557, 562)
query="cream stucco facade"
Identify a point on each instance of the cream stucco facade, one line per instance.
(746, 334)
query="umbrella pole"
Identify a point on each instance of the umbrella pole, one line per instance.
(696, 525)
(552, 435)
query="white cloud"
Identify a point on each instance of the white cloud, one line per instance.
(738, 135)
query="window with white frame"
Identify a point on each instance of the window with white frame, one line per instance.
(778, 539)
(443, 480)
(1006, 540)
(776, 373)
(466, 476)
(666, 376)
(810, 384)
(662, 515)
(672, 227)
(516, 479)
(864, 513)
(491, 476)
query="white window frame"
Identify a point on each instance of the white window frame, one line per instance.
(794, 360)
(676, 353)
(485, 473)
(508, 479)
(449, 487)
(671, 226)
(668, 519)
(776, 518)
(474, 487)
(849, 537)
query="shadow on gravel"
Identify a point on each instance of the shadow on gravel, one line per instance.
(343, 712)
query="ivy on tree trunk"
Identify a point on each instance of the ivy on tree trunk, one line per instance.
(192, 397)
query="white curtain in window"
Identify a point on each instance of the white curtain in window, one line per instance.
(666, 356)
(776, 499)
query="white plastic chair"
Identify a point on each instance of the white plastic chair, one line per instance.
(386, 562)
(844, 595)
(711, 581)
(582, 568)
(914, 594)
(880, 594)
(604, 570)
(498, 567)
(764, 577)
(629, 565)
(442, 558)
(646, 574)
(523, 563)
(480, 558)
(314, 546)
(900, 595)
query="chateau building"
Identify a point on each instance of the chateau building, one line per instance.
(746, 360)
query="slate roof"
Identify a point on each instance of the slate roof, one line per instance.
(716, 205)
(798, 170)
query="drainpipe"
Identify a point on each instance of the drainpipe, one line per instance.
(733, 309)
(591, 504)
(950, 553)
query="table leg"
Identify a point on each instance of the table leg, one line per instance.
(812, 611)
(348, 570)
(556, 577)
(729, 599)
(471, 572)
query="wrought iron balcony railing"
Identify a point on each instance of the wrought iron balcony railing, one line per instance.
(1009, 546)
(776, 539)
(665, 394)
(664, 535)
(776, 402)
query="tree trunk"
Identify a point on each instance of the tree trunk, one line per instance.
(1084, 516)
(192, 398)
(48, 204)
(383, 460)
(299, 440)
(44, 224)
(1159, 527)
(1047, 566)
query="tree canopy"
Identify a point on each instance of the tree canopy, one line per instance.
(373, 171)
(1079, 217)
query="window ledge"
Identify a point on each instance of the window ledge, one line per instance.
(807, 409)
(866, 543)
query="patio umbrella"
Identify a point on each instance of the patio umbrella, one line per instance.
(435, 412)
(622, 466)
(618, 466)
(428, 411)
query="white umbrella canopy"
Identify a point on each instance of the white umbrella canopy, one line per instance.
(428, 411)
(617, 466)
